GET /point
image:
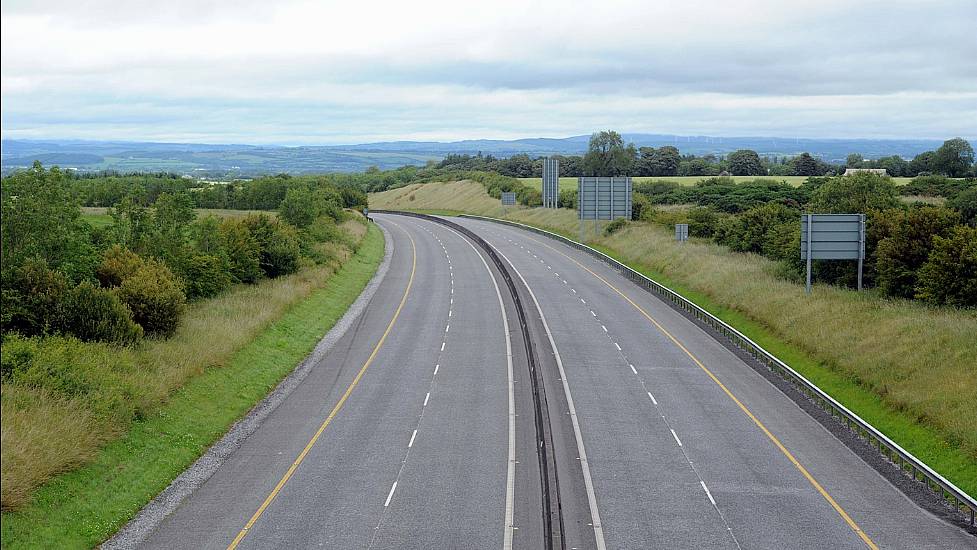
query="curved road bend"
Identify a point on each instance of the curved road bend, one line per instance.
(428, 410)
(676, 458)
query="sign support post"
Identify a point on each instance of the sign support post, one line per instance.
(861, 249)
(810, 218)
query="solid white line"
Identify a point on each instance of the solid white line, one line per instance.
(708, 494)
(510, 476)
(390, 496)
(428, 396)
(675, 435)
(633, 369)
(411, 442)
(652, 398)
(584, 464)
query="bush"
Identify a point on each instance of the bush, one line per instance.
(949, 275)
(279, 245)
(31, 297)
(118, 264)
(641, 207)
(243, 251)
(95, 314)
(902, 253)
(568, 199)
(966, 203)
(615, 226)
(703, 222)
(752, 231)
(205, 276)
(856, 194)
(154, 296)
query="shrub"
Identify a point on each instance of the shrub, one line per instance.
(279, 246)
(568, 199)
(966, 203)
(640, 207)
(751, 230)
(949, 275)
(702, 222)
(856, 194)
(96, 314)
(243, 251)
(118, 264)
(30, 299)
(155, 298)
(907, 248)
(205, 276)
(615, 226)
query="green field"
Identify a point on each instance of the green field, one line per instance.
(571, 183)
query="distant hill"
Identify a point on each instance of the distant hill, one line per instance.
(227, 159)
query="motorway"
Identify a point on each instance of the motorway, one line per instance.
(419, 428)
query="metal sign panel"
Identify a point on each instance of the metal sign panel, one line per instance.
(508, 198)
(834, 236)
(681, 232)
(601, 198)
(551, 183)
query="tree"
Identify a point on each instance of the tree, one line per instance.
(658, 162)
(854, 161)
(949, 275)
(954, 158)
(41, 219)
(855, 194)
(608, 156)
(966, 203)
(908, 246)
(923, 163)
(745, 162)
(805, 165)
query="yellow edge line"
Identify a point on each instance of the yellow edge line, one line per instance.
(834, 504)
(335, 410)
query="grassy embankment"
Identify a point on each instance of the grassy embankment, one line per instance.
(571, 183)
(227, 354)
(909, 369)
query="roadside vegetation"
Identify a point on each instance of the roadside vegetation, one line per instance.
(103, 323)
(908, 367)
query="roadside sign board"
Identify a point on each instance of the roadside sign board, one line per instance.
(833, 237)
(551, 182)
(508, 198)
(600, 198)
(681, 232)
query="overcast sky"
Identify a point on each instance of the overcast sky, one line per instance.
(350, 72)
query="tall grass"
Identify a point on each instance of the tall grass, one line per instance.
(920, 362)
(48, 428)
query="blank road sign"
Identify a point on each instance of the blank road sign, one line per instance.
(508, 198)
(551, 182)
(833, 236)
(601, 198)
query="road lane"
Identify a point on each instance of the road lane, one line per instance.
(337, 495)
(650, 488)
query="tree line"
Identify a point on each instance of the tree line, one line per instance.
(608, 155)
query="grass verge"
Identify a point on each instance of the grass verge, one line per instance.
(81, 508)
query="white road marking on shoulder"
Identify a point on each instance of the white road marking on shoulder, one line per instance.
(411, 442)
(428, 396)
(675, 435)
(436, 367)
(652, 398)
(617, 346)
(633, 369)
(442, 346)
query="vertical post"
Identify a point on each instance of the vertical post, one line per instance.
(596, 205)
(810, 221)
(861, 248)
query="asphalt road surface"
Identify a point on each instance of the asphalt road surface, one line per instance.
(417, 430)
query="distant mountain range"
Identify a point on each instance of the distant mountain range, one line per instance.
(219, 160)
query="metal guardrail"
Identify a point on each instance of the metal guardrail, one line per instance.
(901, 458)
